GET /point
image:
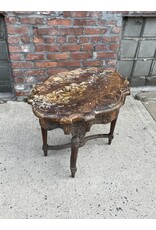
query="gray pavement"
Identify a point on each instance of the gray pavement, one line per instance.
(116, 181)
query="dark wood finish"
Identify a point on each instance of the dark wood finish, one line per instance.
(76, 100)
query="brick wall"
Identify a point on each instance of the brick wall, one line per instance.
(43, 43)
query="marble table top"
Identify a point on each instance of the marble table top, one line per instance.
(78, 95)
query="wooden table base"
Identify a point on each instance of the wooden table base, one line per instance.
(77, 141)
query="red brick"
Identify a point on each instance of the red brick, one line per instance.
(34, 72)
(106, 55)
(22, 65)
(69, 63)
(47, 31)
(82, 55)
(58, 56)
(70, 48)
(22, 93)
(17, 73)
(34, 56)
(56, 70)
(23, 12)
(84, 39)
(51, 48)
(15, 49)
(116, 30)
(13, 40)
(92, 63)
(59, 22)
(72, 39)
(38, 40)
(75, 14)
(95, 14)
(111, 39)
(10, 20)
(18, 80)
(114, 47)
(87, 47)
(71, 31)
(111, 23)
(102, 22)
(95, 31)
(25, 39)
(32, 20)
(46, 64)
(39, 48)
(112, 62)
(95, 39)
(84, 22)
(100, 47)
(17, 30)
(17, 57)
(61, 40)
(49, 39)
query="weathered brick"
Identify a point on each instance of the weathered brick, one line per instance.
(82, 55)
(39, 48)
(71, 31)
(17, 57)
(15, 49)
(32, 20)
(114, 46)
(34, 56)
(13, 40)
(22, 65)
(84, 39)
(95, 31)
(106, 55)
(84, 22)
(112, 62)
(17, 73)
(19, 80)
(10, 20)
(72, 39)
(49, 39)
(51, 48)
(110, 39)
(70, 48)
(69, 63)
(46, 64)
(95, 39)
(25, 39)
(88, 47)
(75, 14)
(92, 63)
(100, 47)
(58, 56)
(34, 72)
(95, 14)
(47, 31)
(102, 22)
(59, 22)
(38, 40)
(17, 30)
(116, 30)
(61, 39)
(52, 71)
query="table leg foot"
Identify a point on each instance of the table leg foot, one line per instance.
(73, 158)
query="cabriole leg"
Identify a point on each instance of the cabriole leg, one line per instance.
(73, 158)
(44, 138)
(111, 134)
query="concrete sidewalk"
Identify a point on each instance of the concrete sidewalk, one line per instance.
(116, 181)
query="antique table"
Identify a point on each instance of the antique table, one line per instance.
(76, 100)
